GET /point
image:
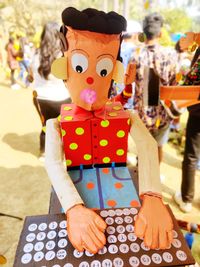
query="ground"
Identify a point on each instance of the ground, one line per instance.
(24, 185)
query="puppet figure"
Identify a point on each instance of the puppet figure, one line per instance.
(90, 63)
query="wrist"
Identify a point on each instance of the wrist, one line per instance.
(75, 208)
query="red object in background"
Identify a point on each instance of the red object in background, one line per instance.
(101, 140)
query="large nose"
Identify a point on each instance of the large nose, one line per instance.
(89, 80)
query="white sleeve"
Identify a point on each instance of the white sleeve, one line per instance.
(60, 179)
(148, 163)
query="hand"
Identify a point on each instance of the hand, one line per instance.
(154, 223)
(85, 229)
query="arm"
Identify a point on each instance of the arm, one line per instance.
(85, 227)
(153, 222)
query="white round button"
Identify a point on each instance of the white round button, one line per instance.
(128, 219)
(167, 257)
(30, 237)
(107, 263)
(109, 221)
(144, 247)
(181, 255)
(83, 264)
(122, 238)
(28, 247)
(32, 227)
(61, 254)
(62, 243)
(133, 211)
(53, 225)
(134, 247)
(38, 256)
(132, 237)
(26, 258)
(113, 249)
(111, 213)
(176, 243)
(50, 255)
(62, 233)
(124, 248)
(174, 234)
(120, 229)
(102, 251)
(118, 262)
(110, 230)
(134, 261)
(126, 211)
(112, 239)
(77, 254)
(39, 246)
(95, 263)
(145, 260)
(156, 258)
(51, 234)
(56, 265)
(42, 227)
(119, 220)
(104, 213)
(50, 245)
(118, 212)
(70, 265)
(63, 224)
(41, 236)
(129, 228)
(87, 253)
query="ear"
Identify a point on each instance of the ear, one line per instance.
(118, 73)
(59, 68)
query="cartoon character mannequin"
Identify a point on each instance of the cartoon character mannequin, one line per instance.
(87, 68)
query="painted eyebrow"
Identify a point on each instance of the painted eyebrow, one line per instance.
(106, 55)
(81, 51)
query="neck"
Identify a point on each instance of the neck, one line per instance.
(151, 42)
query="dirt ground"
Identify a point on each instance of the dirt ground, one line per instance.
(24, 185)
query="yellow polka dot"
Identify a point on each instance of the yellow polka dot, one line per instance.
(106, 160)
(117, 108)
(105, 123)
(68, 118)
(109, 103)
(128, 121)
(73, 146)
(63, 132)
(79, 131)
(87, 156)
(59, 118)
(120, 152)
(103, 142)
(112, 114)
(67, 108)
(120, 134)
(68, 162)
(44, 129)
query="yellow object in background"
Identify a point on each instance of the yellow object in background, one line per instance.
(3, 259)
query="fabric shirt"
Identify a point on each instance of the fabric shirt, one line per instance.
(162, 61)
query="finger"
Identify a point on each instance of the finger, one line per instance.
(95, 235)
(148, 236)
(75, 238)
(169, 237)
(140, 226)
(99, 234)
(155, 238)
(100, 223)
(89, 244)
(163, 239)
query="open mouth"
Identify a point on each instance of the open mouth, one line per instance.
(88, 95)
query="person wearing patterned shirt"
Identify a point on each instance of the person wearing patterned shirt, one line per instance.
(154, 56)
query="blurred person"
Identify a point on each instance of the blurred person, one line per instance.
(51, 92)
(12, 62)
(154, 56)
(192, 145)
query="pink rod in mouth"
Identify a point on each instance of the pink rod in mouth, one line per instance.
(89, 96)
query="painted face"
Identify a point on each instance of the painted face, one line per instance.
(91, 59)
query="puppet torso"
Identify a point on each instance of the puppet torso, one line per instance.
(95, 139)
